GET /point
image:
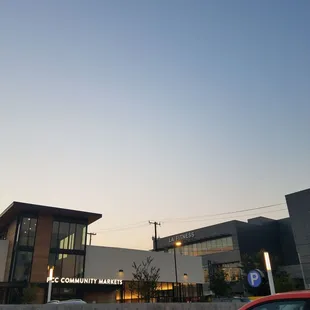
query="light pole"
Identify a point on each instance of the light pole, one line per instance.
(178, 289)
(50, 280)
(269, 273)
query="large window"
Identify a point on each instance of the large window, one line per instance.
(22, 266)
(232, 271)
(27, 231)
(67, 265)
(68, 236)
(223, 244)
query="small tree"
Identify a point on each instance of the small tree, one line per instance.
(29, 294)
(218, 284)
(284, 283)
(145, 279)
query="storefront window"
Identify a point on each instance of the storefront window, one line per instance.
(67, 265)
(22, 266)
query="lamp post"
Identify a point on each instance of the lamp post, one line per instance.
(178, 289)
(269, 273)
(50, 280)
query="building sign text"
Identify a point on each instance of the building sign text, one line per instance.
(184, 236)
(86, 281)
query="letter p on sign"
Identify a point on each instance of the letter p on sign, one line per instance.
(254, 278)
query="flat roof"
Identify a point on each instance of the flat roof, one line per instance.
(16, 208)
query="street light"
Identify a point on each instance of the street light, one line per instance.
(176, 244)
(269, 273)
(50, 281)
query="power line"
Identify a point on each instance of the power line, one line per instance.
(196, 218)
(121, 229)
(224, 213)
(229, 217)
(128, 226)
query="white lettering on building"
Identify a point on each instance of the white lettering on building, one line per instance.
(86, 281)
(184, 236)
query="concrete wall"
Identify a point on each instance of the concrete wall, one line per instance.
(156, 306)
(105, 262)
(4, 246)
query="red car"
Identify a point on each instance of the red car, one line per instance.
(284, 301)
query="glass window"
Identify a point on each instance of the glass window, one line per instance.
(58, 265)
(213, 244)
(71, 236)
(22, 266)
(224, 240)
(63, 235)
(27, 231)
(198, 245)
(32, 232)
(282, 305)
(209, 245)
(204, 247)
(68, 266)
(229, 241)
(54, 242)
(206, 274)
(80, 237)
(219, 243)
(79, 266)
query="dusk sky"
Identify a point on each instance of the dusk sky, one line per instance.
(154, 110)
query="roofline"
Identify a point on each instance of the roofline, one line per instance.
(16, 208)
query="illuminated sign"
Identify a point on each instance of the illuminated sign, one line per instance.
(86, 281)
(184, 236)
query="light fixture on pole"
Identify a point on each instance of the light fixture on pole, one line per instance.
(50, 281)
(269, 273)
(178, 289)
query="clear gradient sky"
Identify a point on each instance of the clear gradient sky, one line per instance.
(154, 109)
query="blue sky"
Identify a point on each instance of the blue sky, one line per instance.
(154, 109)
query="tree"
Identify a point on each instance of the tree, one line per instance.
(29, 294)
(145, 279)
(218, 284)
(284, 283)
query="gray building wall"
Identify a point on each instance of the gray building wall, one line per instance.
(105, 263)
(255, 237)
(201, 234)
(299, 210)
(287, 243)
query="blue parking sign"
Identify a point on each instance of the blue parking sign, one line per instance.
(254, 278)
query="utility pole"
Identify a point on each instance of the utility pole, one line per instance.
(155, 228)
(90, 236)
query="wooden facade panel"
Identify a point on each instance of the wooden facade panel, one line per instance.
(39, 271)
